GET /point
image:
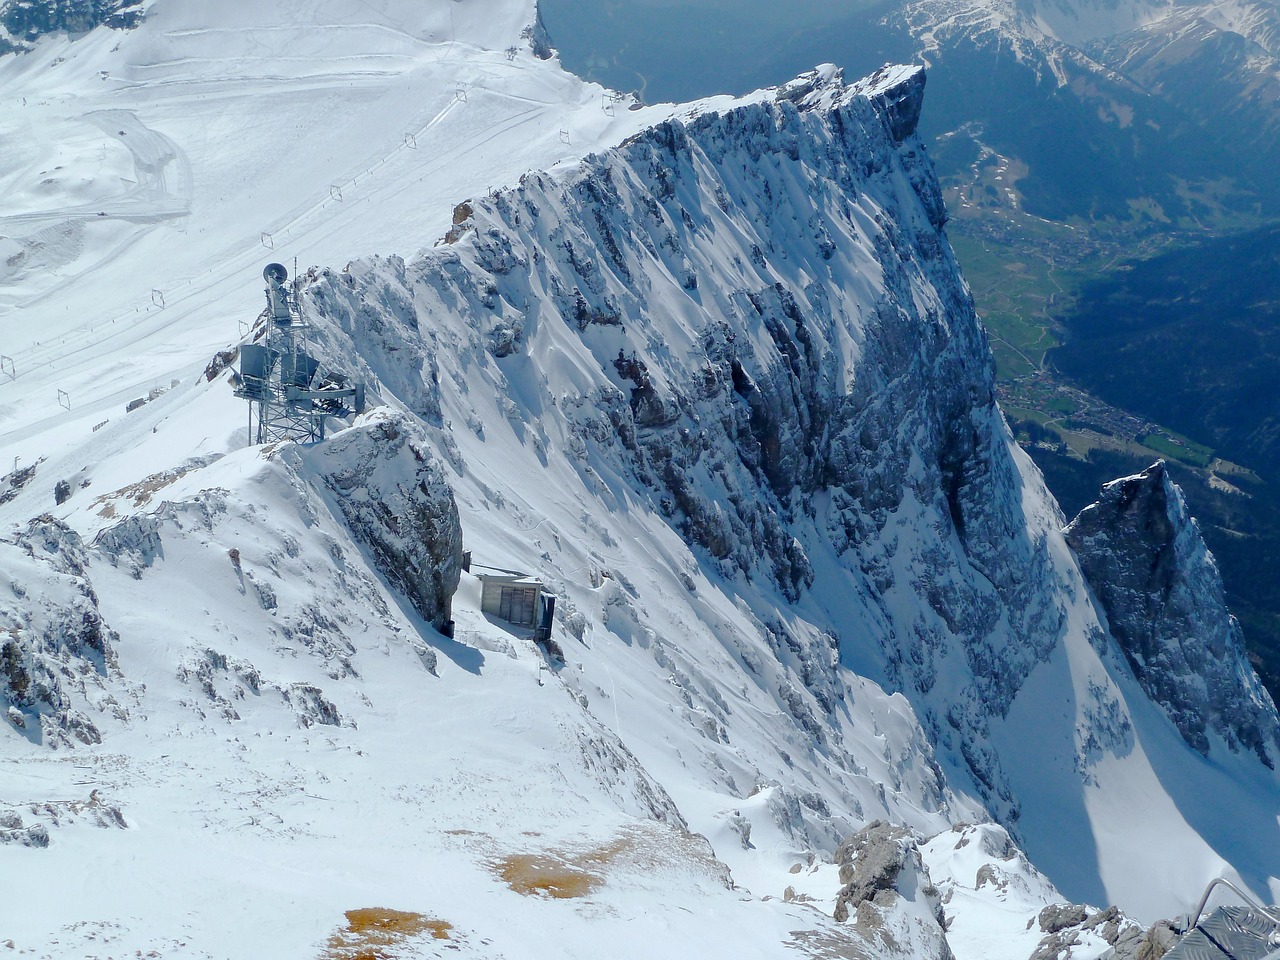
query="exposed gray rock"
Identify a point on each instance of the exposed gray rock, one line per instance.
(55, 646)
(1156, 942)
(1058, 916)
(310, 705)
(881, 869)
(1070, 925)
(870, 862)
(1158, 584)
(396, 499)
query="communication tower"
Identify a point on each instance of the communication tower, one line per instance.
(292, 391)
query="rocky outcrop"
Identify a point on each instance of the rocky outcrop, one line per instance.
(56, 650)
(1067, 926)
(1158, 584)
(394, 495)
(887, 894)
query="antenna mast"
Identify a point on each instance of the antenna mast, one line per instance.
(293, 394)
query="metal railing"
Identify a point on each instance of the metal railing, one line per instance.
(1270, 912)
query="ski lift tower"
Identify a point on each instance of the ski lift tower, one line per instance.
(293, 393)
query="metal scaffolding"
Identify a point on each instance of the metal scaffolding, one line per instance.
(292, 393)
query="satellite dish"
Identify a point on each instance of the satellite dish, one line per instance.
(275, 273)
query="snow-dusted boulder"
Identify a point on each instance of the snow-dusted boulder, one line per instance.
(888, 895)
(394, 494)
(1149, 568)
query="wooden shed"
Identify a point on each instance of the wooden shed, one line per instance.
(513, 597)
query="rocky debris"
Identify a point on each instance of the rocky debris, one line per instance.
(225, 681)
(887, 894)
(36, 835)
(396, 499)
(1070, 925)
(56, 651)
(95, 810)
(11, 483)
(1143, 556)
(311, 706)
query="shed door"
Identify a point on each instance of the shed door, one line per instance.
(516, 605)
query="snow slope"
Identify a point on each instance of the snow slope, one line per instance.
(720, 385)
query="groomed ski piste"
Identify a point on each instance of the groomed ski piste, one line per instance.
(284, 741)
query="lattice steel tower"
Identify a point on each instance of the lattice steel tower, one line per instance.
(292, 392)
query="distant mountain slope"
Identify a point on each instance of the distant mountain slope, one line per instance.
(22, 22)
(1196, 335)
(1151, 114)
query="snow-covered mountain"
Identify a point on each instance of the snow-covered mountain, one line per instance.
(1171, 107)
(826, 677)
(23, 22)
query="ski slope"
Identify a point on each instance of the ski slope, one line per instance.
(208, 145)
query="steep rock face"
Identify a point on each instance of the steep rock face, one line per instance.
(1148, 566)
(766, 336)
(395, 498)
(888, 895)
(736, 352)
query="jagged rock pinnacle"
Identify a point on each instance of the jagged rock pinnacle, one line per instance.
(1159, 586)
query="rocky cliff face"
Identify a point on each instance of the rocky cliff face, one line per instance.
(752, 319)
(1146, 563)
(745, 327)
(395, 498)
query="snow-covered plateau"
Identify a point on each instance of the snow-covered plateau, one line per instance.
(827, 677)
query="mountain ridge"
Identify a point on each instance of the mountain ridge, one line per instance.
(720, 385)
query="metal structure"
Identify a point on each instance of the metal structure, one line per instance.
(293, 394)
(516, 598)
(1249, 932)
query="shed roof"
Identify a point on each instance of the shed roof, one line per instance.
(513, 579)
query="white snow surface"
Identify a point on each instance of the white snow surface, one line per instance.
(146, 178)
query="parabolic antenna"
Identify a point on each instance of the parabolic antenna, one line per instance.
(275, 272)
